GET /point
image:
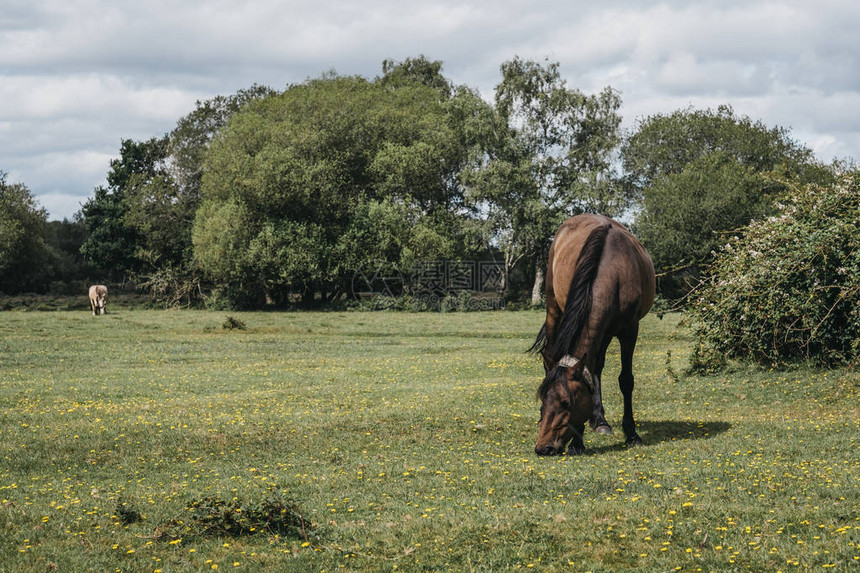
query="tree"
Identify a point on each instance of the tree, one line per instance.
(162, 206)
(412, 71)
(699, 174)
(24, 256)
(190, 139)
(308, 170)
(549, 159)
(113, 242)
(140, 224)
(663, 145)
(69, 270)
(684, 214)
(160, 216)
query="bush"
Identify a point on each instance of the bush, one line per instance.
(788, 287)
(275, 515)
(233, 323)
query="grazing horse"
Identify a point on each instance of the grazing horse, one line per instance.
(97, 299)
(599, 284)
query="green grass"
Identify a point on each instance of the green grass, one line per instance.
(407, 441)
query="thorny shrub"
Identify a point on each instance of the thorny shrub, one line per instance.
(787, 287)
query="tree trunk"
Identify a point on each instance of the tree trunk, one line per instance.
(507, 274)
(537, 289)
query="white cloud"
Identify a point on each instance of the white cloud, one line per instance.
(78, 76)
(43, 97)
(60, 205)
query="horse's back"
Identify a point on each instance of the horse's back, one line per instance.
(96, 290)
(625, 268)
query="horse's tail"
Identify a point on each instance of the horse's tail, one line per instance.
(579, 294)
(540, 341)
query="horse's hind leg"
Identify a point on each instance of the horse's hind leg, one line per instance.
(625, 382)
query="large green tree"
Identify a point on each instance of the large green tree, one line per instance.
(190, 139)
(70, 271)
(701, 173)
(548, 158)
(140, 224)
(161, 209)
(24, 257)
(114, 242)
(301, 187)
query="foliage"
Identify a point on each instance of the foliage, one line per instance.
(275, 515)
(139, 226)
(304, 187)
(418, 70)
(684, 215)
(665, 144)
(233, 323)
(276, 199)
(25, 258)
(788, 286)
(159, 213)
(701, 173)
(193, 134)
(70, 269)
(109, 244)
(114, 236)
(172, 286)
(549, 152)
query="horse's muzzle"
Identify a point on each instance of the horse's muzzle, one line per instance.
(548, 451)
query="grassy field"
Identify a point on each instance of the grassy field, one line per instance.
(162, 441)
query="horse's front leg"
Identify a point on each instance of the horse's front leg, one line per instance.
(598, 417)
(577, 447)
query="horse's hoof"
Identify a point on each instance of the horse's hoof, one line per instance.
(604, 429)
(634, 440)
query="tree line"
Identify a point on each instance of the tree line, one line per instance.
(270, 198)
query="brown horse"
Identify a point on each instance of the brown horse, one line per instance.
(97, 299)
(599, 284)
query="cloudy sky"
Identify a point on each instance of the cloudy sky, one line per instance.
(78, 76)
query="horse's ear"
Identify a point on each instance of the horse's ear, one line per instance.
(589, 379)
(586, 375)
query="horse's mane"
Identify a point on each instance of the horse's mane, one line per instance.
(578, 306)
(579, 294)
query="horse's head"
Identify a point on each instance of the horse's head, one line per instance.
(566, 405)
